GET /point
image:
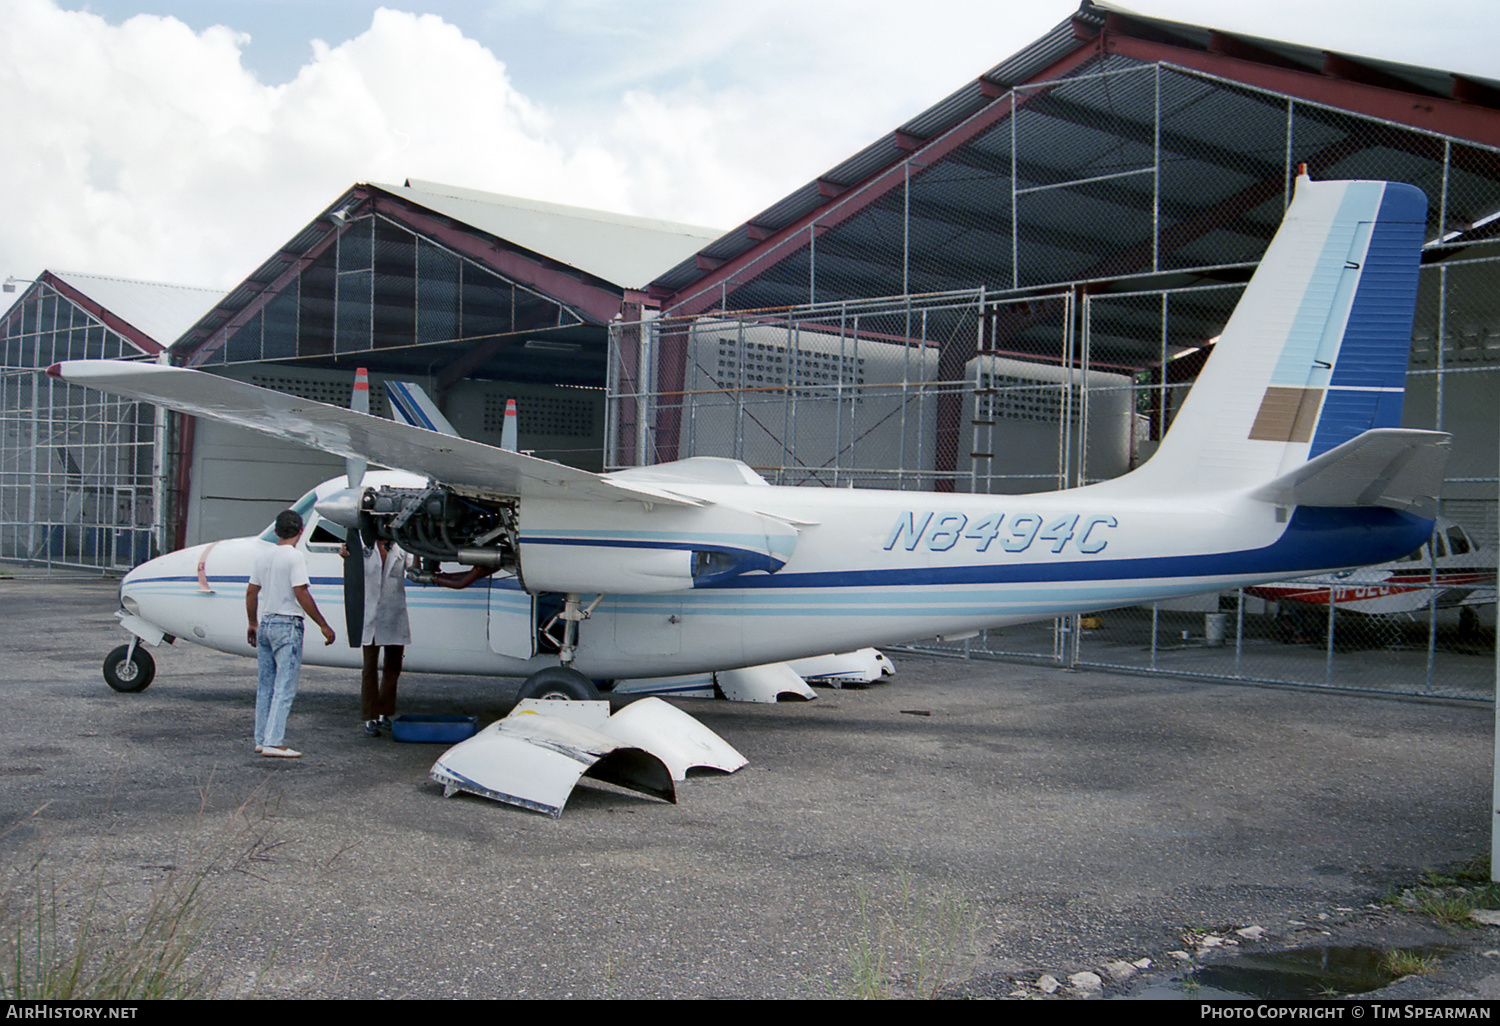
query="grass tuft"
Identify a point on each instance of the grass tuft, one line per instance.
(915, 945)
(73, 930)
(1408, 963)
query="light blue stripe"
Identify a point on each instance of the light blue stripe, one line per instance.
(1295, 366)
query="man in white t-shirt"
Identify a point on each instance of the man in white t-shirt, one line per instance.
(275, 602)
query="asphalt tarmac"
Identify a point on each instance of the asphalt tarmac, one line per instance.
(1056, 821)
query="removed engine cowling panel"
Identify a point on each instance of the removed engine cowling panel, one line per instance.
(769, 683)
(535, 756)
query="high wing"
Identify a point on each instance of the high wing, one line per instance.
(471, 467)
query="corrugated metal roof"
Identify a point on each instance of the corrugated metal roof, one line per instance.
(161, 311)
(1434, 81)
(628, 251)
(1077, 32)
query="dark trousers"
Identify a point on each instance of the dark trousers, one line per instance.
(379, 699)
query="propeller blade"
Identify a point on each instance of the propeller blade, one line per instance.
(354, 591)
(359, 402)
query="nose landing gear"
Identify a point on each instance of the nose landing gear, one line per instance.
(129, 668)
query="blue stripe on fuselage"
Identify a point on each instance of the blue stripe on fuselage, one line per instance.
(1315, 539)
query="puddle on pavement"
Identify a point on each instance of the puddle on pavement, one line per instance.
(1299, 974)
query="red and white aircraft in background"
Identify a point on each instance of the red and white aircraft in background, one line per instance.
(1449, 571)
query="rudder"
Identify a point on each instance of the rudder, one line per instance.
(1316, 351)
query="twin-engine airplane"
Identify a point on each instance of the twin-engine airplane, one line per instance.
(1286, 459)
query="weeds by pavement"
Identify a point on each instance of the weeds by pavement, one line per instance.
(73, 929)
(916, 944)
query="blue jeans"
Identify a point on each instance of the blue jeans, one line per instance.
(278, 656)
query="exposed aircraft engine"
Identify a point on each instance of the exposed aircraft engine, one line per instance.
(571, 547)
(436, 523)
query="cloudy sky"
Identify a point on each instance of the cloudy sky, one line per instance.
(184, 140)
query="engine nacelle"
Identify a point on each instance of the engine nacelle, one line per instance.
(623, 548)
(577, 546)
(586, 569)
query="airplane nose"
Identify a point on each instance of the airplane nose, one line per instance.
(137, 585)
(342, 507)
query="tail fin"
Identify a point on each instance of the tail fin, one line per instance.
(1316, 352)
(412, 406)
(508, 435)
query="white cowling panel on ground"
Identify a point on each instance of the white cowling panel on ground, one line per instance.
(535, 756)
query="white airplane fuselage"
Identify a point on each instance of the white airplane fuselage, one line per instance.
(870, 567)
(1287, 458)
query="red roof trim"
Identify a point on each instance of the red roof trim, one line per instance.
(135, 336)
(563, 286)
(1413, 109)
(862, 194)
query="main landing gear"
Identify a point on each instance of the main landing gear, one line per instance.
(560, 682)
(563, 682)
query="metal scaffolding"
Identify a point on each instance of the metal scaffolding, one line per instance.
(82, 474)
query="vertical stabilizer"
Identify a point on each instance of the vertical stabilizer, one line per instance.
(1316, 352)
(508, 435)
(411, 405)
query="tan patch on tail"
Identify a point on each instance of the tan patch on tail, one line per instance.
(1287, 414)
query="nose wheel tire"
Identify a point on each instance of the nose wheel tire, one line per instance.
(129, 673)
(559, 682)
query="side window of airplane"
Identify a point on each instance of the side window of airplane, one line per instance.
(1458, 542)
(1439, 547)
(324, 537)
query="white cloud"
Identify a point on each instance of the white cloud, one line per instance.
(148, 150)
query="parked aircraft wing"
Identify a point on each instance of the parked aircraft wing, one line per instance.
(1395, 467)
(466, 465)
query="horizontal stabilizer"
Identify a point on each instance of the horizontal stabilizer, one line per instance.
(1394, 467)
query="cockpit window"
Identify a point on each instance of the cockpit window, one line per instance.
(302, 506)
(1458, 542)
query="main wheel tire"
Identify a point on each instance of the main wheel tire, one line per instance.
(559, 682)
(129, 675)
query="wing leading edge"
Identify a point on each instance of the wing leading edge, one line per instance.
(457, 462)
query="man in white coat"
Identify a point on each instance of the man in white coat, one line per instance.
(386, 627)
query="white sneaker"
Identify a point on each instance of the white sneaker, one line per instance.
(280, 752)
